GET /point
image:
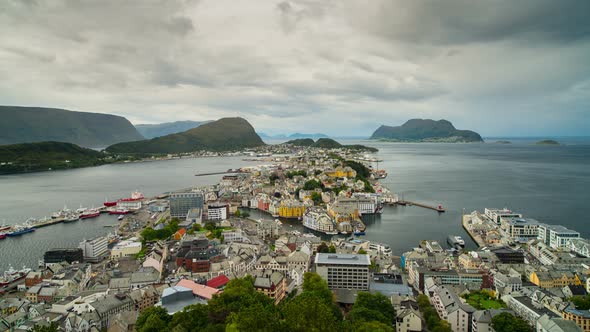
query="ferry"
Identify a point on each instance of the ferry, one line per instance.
(20, 230)
(92, 213)
(455, 241)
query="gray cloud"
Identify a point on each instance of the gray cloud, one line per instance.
(341, 67)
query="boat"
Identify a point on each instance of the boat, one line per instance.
(81, 210)
(61, 213)
(119, 211)
(359, 232)
(92, 213)
(121, 217)
(12, 276)
(71, 217)
(455, 241)
(5, 227)
(331, 233)
(108, 203)
(20, 230)
(2, 236)
(135, 196)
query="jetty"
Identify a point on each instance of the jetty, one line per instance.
(230, 171)
(437, 208)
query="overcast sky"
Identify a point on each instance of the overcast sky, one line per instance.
(339, 67)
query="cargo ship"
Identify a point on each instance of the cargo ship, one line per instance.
(92, 213)
(20, 230)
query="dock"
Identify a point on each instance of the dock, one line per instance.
(465, 221)
(438, 208)
(48, 222)
(217, 173)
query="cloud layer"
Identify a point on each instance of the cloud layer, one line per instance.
(339, 67)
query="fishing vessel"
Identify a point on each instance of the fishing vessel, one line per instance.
(61, 213)
(359, 232)
(20, 230)
(92, 213)
(119, 211)
(71, 217)
(12, 276)
(455, 241)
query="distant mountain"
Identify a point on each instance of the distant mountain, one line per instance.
(420, 130)
(37, 124)
(43, 156)
(263, 135)
(328, 143)
(300, 135)
(167, 128)
(301, 142)
(547, 142)
(222, 135)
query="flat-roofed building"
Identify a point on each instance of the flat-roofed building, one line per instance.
(344, 271)
(556, 236)
(497, 214)
(182, 203)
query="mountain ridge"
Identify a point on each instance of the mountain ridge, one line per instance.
(22, 124)
(167, 128)
(225, 134)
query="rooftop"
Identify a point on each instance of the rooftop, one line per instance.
(342, 259)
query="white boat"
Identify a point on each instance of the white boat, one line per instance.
(455, 240)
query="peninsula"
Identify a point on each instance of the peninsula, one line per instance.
(227, 134)
(425, 130)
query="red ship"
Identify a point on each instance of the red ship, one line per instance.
(119, 211)
(2, 236)
(135, 196)
(90, 214)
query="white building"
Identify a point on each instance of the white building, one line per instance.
(520, 229)
(408, 320)
(94, 250)
(556, 236)
(344, 271)
(319, 220)
(580, 247)
(129, 205)
(233, 236)
(217, 211)
(496, 215)
(126, 248)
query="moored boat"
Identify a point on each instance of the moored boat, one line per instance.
(92, 213)
(455, 241)
(20, 230)
(2, 236)
(71, 217)
(359, 232)
(5, 227)
(119, 211)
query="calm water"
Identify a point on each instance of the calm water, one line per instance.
(549, 183)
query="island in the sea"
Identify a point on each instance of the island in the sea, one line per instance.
(328, 143)
(547, 142)
(425, 130)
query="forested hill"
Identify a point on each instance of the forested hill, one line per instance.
(38, 124)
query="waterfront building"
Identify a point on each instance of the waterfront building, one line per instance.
(496, 215)
(344, 271)
(217, 211)
(520, 229)
(556, 236)
(69, 255)
(268, 228)
(94, 250)
(181, 203)
(129, 205)
(318, 219)
(291, 209)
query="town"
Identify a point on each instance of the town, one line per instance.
(199, 246)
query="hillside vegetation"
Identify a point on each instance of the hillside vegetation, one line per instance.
(43, 156)
(328, 143)
(39, 124)
(226, 134)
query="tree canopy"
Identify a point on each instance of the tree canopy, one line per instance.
(507, 322)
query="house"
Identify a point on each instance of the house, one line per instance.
(144, 298)
(548, 324)
(179, 234)
(144, 276)
(553, 278)
(109, 306)
(201, 291)
(218, 282)
(450, 308)
(580, 317)
(271, 284)
(408, 320)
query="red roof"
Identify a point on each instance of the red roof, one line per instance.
(218, 281)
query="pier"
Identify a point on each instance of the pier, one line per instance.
(466, 221)
(219, 173)
(438, 208)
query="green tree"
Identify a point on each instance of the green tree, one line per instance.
(312, 184)
(256, 318)
(323, 248)
(332, 249)
(308, 312)
(372, 326)
(362, 251)
(192, 318)
(210, 226)
(238, 213)
(506, 322)
(316, 197)
(378, 303)
(153, 316)
(581, 302)
(53, 327)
